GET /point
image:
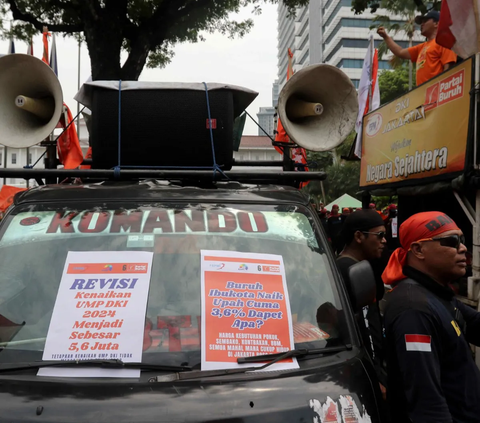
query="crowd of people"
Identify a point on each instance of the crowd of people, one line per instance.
(416, 332)
(333, 221)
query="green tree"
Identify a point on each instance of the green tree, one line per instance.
(342, 176)
(359, 6)
(393, 83)
(407, 10)
(147, 30)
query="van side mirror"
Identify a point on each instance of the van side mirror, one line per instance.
(363, 286)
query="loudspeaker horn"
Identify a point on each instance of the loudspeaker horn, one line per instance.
(318, 107)
(31, 100)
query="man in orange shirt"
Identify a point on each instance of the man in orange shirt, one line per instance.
(431, 58)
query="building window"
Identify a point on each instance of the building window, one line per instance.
(29, 158)
(14, 158)
(302, 60)
(257, 157)
(358, 64)
(12, 181)
(272, 157)
(341, 3)
(303, 44)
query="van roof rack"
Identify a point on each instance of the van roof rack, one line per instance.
(51, 176)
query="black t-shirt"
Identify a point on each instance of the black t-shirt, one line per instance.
(369, 321)
(432, 375)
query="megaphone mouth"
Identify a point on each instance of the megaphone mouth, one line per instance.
(43, 108)
(318, 107)
(299, 109)
(31, 102)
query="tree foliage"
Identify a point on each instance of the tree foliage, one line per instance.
(342, 176)
(147, 30)
(393, 83)
(359, 6)
(393, 27)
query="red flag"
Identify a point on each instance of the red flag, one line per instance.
(368, 84)
(87, 156)
(299, 157)
(375, 90)
(68, 145)
(6, 196)
(457, 29)
(46, 34)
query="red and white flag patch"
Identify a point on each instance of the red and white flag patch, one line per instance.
(418, 343)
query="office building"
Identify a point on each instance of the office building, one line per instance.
(328, 31)
(266, 120)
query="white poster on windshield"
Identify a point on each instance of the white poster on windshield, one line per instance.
(99, 313)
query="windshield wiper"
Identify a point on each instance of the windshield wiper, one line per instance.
(270, 358)
(109, 364)
(300, 352)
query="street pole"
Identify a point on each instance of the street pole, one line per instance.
(78, 87)
(410, 68)
(370, 90)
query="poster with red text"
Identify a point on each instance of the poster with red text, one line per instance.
(245, 309)
(99, 313)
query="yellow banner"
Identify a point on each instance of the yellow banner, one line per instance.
(420, 135)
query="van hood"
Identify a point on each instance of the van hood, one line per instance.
(343, 393)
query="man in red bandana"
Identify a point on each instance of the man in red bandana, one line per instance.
(431, 372)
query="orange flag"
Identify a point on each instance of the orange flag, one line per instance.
(46, 34)
(6, 196)
(87, 156)
(281, 135)
(68, 145)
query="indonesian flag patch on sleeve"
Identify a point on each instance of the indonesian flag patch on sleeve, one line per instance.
(418, 343)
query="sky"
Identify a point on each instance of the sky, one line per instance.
(249, 62)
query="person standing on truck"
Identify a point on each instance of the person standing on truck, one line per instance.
(364, 235)
(430, 57)
(432, 375)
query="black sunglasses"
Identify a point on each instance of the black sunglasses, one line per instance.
(380, 235)
(452, 241)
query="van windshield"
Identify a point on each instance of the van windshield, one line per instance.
(35, 241)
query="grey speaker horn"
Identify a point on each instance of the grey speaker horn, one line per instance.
(31, 100)
(318, 107)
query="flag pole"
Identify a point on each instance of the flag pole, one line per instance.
(78, 87)
(370, 87)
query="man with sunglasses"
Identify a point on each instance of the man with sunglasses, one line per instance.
(432, 375)
(364, 236)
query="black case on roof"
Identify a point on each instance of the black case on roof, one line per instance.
(161, 127)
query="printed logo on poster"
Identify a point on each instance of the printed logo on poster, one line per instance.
(445, 91)
(91, 268)
(275, 269)
(217, 266)
(451, 88)
(374, 123)
(431, 97)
